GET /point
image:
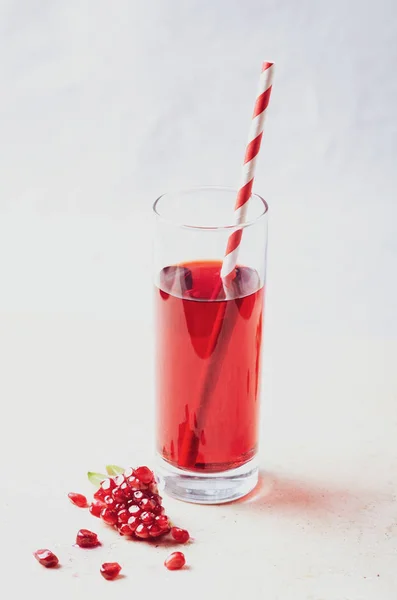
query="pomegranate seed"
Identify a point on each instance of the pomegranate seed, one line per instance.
(123, 516)
(125, 529)
(119, 480)
(108, 485)
(163, 522)
(159, 510)
(141, 531)
(134, 510)
(147, 517)
(175, 561)
(118, 494)
(144, 474)
(46, 558)
(153, 488)
(96, 508)
(135, 484)
(128, 472)
(109, 516)
(87, 539)
(110, 570)
(126, 490)
(157, 499)
(100, 494)
(138, 495)
(133, 523)
(110, 501)
(78, 499)
(155, 531)
(147, 504)
(180, 535)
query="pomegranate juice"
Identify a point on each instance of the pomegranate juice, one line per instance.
(208, 366)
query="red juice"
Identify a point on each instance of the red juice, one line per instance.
(208, 366)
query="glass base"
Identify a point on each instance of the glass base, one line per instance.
(207, 488)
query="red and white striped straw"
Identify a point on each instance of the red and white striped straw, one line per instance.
(248, 172)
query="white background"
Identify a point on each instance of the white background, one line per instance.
(105, 105)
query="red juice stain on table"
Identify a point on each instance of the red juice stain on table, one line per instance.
(208, 366)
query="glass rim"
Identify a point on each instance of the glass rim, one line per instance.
(244, 225)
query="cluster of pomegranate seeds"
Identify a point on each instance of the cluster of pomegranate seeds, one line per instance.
(175, 561)
(131, 504)
(180, 535)
(110, 570)
(46, 558)
(78, 499)
(128, 501)
(87, 539)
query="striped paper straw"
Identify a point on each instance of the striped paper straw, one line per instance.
(190, 442)
(248, 172)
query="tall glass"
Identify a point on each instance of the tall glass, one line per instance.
(208, 344)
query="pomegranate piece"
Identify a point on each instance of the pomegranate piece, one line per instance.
(78, 499)
(180, 535)
(96, 508)
(46, 558)
(87, 539)
(175, 561)
(110, 570)
(131, 503)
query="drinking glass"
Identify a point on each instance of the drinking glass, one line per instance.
(208, 344)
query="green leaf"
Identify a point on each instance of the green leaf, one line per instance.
(114, 470)
(96, 478)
